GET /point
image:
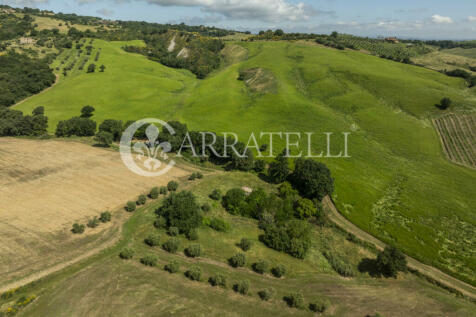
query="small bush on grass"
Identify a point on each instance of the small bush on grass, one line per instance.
(171, 245)
(260, 267)
(126, 254)
(278, 271)
(172, 267)
(319, 306)
(77, 228)
(193, 251)
(217, 280)
(131, 206)
(93, 223)
(266, 294)
(219, 225)
(142, 200)
(192, 235)
(173, 231)
(295, 300)
(160, 223)
(172, 186)
(195, 176)
(206, 207)
(194, 273)
(245, 244)
(152, 240)
(105, 217)
(238, 260)
(163, 190)
(154, 193)
(149, 260)
(216, 194)
(242, 287)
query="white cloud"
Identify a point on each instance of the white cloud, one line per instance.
(441, 19)
(262, 10)
(472, 18)
(105, 12)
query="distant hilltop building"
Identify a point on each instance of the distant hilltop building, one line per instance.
(392, 40)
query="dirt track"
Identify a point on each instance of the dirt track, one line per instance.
(427, 270)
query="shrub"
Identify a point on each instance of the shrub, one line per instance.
(266, 294)
(260, 166)
(152, 240)
(196, 175)
(163, 190)
(295, 300)
(245, 244)
(160, 223)
(260, 267)
(105, 216)
(219, 225)
(206, 207)
(192, 235)
(199, 175)
(154, 193)
(172, 267)
(104, 138)
(390, 261)
(445, 103)
(242, 287)
(194, 273)
(278, 271)
(77, 228)
(171, 245)
(238, 260)
(93, 223)
(341, 267)
(192, 177)
(131, 206)
(172, 186)
(305, 208)
(126, 254)
(193, 250)
(319, 306)
(216, 194)
(234, 200)
(142, 200)
(149, 260)
(217, 280)
(173, 231)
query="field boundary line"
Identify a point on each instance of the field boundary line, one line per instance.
(426, 270)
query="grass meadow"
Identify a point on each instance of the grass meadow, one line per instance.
(397, 185)
(105, 285)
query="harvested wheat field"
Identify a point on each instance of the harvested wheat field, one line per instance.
(458, 138)
(46, 186)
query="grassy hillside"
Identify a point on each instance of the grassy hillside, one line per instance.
(108, 286)
(398, 184)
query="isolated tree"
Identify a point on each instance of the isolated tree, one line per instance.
(390, 261)
(312, 179)
(182, 211)
(87, 111)
(91, 68)
(103, 138)
(102, 68)
(279, 32)
(445, 103)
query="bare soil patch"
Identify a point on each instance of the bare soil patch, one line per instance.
(46, 186)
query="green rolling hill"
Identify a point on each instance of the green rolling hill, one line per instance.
(397, 185)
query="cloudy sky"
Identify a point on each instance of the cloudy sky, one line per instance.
(429, 19)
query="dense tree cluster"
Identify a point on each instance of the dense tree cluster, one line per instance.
(21, 76)
(14, 123)
(13, 26)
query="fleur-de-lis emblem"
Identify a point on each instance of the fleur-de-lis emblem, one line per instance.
(152, 149)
